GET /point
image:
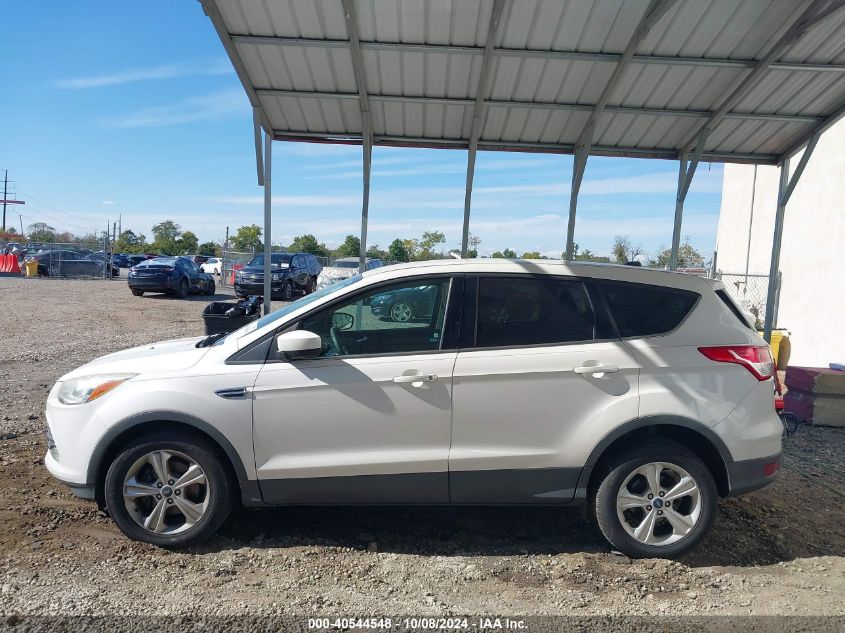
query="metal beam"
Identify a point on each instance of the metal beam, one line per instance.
(820, 129)
(807, 19)
(542, 105)
(213, 12)
(527, 53)
(383, 140)
(256, 128)
(685, 176)
(268, 242)
(479, 113)
(366, 121)
(655, 10)
(785, 188)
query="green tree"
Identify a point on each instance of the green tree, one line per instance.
(309, 244)
(351, 247)
(429, 240)
(623, 251)
(166, 237)
(11, 230)
(41, 232)
(688, 256)
(247, 239)
(532, 255)
(188, 243)
(397, 251)
(128, 242)
(209, 248)
(505, 254)
(375, 252)
(586, 256)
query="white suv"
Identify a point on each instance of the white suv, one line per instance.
(644, 394)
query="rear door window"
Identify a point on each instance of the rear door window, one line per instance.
(644, 310)
(518, 311)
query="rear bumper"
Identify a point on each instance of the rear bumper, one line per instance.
(152, 284)
(752, 474)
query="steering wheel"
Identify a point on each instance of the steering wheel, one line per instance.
(339, 348)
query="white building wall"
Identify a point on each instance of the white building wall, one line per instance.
(812, 262)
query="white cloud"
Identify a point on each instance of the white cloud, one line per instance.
(209, 107)
(107, 203)
(148, 73)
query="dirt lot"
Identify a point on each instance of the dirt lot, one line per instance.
(777, 551)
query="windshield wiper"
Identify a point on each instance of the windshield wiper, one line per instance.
(211, 339)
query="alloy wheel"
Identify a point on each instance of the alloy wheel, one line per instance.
(401, 312)
(166, 492)
(659, 504)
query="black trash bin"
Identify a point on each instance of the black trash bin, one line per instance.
(216, 321)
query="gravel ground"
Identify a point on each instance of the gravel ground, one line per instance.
(779, 551)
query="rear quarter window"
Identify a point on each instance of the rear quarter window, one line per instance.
(644, 310)
(733, 308)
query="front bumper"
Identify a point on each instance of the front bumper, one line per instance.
(247, 288)
(752, 474)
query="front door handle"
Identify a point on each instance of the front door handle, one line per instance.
(412, 378)
(596, 369)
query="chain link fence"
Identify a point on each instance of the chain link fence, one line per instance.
(91, 260)
(748, 291)
(233, 261)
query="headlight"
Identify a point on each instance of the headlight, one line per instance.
(88, 388)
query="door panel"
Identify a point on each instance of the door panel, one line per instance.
(340, 418)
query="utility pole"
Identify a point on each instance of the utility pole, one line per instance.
(20, 217)
(120, 224)
(5, 192)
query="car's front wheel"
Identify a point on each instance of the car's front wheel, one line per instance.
(137, 292)
(656, 500)
(287, 291)
(211, 288)
(402, 312)
(169, 490)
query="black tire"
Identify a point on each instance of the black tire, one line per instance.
(211, 289)
(182, 289)
(137, 292)
(312, 287)
(618, 470)
(287, 291)
(221, 487)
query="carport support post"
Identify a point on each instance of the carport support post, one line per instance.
(365, 202)
(685, 174)
(268, 288)
(473, 148)
(785, 188)
(580, 164)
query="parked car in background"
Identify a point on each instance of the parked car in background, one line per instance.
(177, 276)
(136, 259)
(199, 260)
(213, 266)
(344, 268)
(107, 261)
(121, 260)
(70, 263)
(406, 304)
(640, 393)
(290, 272)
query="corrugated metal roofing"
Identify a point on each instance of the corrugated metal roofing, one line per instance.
(550, 63)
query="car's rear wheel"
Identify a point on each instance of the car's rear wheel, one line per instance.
(656, 500)
(182, 289)
(402, 312)
(312, 286)
(137, 292)
(170, 489)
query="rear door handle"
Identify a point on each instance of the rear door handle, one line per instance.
(596, 369)
(412, 378)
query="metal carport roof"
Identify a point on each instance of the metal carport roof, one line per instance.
(719, 80)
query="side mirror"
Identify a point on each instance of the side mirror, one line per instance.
(299, 344)
(342, 320)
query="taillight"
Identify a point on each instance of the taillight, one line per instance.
(757, 360)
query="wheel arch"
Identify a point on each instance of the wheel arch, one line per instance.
(698, 438)
(136, 426)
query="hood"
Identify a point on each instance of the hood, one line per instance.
(170, 355)
(338, 273)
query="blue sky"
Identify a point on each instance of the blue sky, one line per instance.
(133, 108)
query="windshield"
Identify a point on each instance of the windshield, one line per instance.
(296, 305)
(158, 261)
(346, 264)
(276, 259)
